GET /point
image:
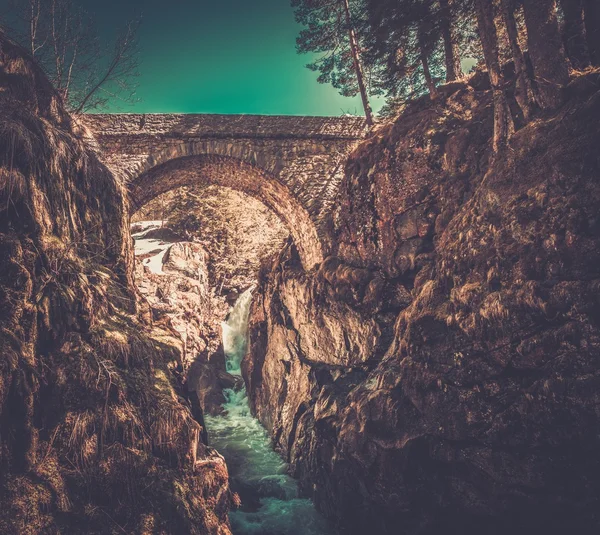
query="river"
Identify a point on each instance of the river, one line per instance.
(271, 504)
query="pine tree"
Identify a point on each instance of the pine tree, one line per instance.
(574, 33)
(331, 31)
(592, 29)
(550, 67)
(405, 36)
(524, 92)
(503, 121)
(451, 58)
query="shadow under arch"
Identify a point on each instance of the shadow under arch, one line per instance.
(235, 174)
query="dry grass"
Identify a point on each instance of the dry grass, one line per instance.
(94, 437)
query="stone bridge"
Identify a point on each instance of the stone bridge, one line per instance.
(294, 165)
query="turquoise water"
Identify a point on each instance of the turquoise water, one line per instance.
(271, 504)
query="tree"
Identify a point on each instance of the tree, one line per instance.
(451, 58)
(503, 121)
(407, 46)
(115, 80)
(574, 33)
(524, 92)
(402, 36)
(425, 29)
(330, 30)
(356, 62)
(592, 29)
(62, 38)
(550, 67)
(413, 44)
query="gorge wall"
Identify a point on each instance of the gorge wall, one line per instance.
(96, 435)
(438, 373)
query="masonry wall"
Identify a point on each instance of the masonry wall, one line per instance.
(303, 154)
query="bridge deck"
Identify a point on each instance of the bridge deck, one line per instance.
(230, 126)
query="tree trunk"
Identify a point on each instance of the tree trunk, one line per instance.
(453, 70)
(574, 34)
(433, 93)
(358, 66)
(503, 122)
(546, 51)
(524, 94)
(592, 29)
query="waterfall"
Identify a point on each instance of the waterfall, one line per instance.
(235, 332)
(271, 504)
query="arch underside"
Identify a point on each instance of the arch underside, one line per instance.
(235, 174)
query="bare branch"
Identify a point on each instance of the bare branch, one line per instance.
(122, 64)
(62, 38)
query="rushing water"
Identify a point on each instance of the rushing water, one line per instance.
(270, 501)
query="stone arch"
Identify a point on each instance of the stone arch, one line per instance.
(236, 174)
(248, 150)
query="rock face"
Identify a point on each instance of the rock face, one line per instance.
(95, 435)
(191, 285)
(173, 277)
(440, 373)
(179, 296)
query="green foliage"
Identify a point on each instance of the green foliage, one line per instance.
(326, 33)
(404, 45)
(401, 36)
(401, 33)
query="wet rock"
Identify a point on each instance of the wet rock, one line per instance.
(204, 382)
(181, 298)
(226, 380)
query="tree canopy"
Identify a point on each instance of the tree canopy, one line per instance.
(407, 48)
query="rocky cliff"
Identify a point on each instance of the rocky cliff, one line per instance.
(199, 248)
(95, 435)
(173, 276)
(439, 373)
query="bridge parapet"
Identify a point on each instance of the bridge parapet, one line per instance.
(229, 126)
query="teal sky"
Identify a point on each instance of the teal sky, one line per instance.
(223, 56)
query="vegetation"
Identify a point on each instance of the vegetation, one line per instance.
(331, 30)
(62, 38)
(95, 436)
(406, 48)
